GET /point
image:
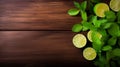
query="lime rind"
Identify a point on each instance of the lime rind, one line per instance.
(89, 35)
(79, 40)
(100, 9)
(115, 5)
(89, 53)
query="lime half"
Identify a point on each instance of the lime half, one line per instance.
(79, 40)
(89, 53)
(100, 9)
(115, 5)
(89, 35)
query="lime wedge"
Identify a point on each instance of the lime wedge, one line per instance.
(89, 35)
(100, 9)
(79, 40)
(89, 53)
(115, 5)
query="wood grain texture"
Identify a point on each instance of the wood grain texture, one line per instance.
(45, 47)
(36, 33)
(36, 15)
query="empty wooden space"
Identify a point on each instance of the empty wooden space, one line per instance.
(36, 15)
(37, 33)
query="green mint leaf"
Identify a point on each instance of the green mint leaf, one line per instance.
(104, 34)
(94, 19)
(84, 15)
(119, 33)
(116, 52)
(89, 26)
(118, 15)
(112, 41)
(90, 18)
(77, 28)
(83, 5)
(102, 31)
(77, 5)
(106, 25)
(110, 15)
(102, 20)
(95, 38)
(107, 48)
(84, 28)
(73, 12)
(97, 43)
(97, 47)
(114, 30)
(99, 22)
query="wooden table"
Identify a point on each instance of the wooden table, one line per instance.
(37, 33)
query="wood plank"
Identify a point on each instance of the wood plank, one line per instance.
(44, 47)
(36, 15)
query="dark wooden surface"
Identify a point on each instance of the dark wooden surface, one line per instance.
(36, 15)
(36, 33)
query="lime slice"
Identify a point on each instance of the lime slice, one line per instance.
(79, 40)
(100, 9)
(89, 35)
(89, 53)
(115, 5)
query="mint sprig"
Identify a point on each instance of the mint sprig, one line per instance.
(108, 47)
